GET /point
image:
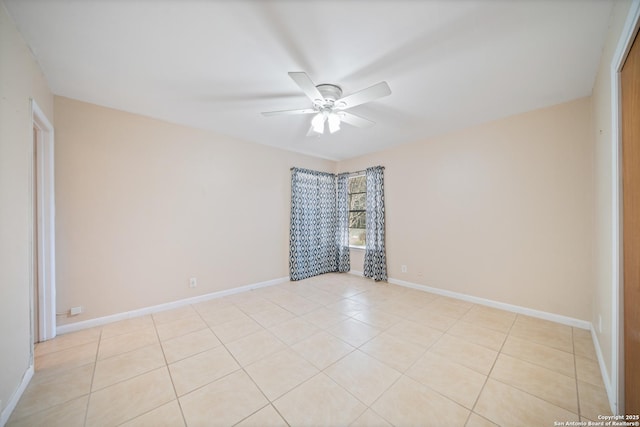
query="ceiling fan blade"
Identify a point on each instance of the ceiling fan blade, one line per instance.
(307, 86)
(276, 113)
(365, 95)
(353, 120)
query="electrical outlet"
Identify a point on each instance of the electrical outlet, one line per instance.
(75, 311)
(193, 282)
(599, 324)
(404, 268)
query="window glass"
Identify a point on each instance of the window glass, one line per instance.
(357, 210)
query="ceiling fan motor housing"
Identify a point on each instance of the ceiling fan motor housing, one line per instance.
(330, 92)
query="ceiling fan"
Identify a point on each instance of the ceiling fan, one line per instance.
(329, 104)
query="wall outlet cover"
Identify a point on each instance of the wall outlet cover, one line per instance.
(599, 324)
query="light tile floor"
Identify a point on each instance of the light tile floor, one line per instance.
(333, 350)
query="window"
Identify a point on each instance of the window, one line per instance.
(357, 210)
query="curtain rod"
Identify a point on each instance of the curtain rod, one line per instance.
(350, 173)
(360, 172)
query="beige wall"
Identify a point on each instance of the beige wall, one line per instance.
(500, 211)
(20, 79)
(602, 128)
(143, 205)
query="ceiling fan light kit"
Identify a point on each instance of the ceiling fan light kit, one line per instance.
(317, 123)
(328, 104)
(334, 122)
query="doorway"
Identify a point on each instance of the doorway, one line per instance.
(630, 128)
(43, 286)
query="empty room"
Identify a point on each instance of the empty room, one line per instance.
(319, 213)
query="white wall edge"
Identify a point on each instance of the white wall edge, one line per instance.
(99, 321)
(608, 385)
(11, 404)
(44, 240)
(558, 318)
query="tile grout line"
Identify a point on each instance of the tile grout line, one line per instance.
(279, 413)
(175, 392)
(403, 374)
(93, 374)
(492, 367)
(145, 372)
(243, 370)
(55, 373)
(525, 391)
(320, 371)
(260, 409)
(575, 369)
(232, 356)
(461, 319)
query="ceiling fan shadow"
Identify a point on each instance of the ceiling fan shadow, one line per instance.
(284, 35)
(380, 112)
(448, 40)
(248, 97)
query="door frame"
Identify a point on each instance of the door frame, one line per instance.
(44, 240)
(627, 36)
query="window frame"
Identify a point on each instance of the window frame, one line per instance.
(349, 193)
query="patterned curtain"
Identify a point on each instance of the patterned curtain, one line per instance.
(375, 258)
(342, 231)
(312, 240)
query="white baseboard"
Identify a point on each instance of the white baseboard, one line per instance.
(605, 375)
(11, 404)
(72, 327)
(565, 320)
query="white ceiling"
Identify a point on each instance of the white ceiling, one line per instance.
(217, 64)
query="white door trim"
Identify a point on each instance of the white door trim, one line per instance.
(627, 36)
(45, 244)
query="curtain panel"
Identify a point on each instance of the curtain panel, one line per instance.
(375, 258)
(315, 239)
